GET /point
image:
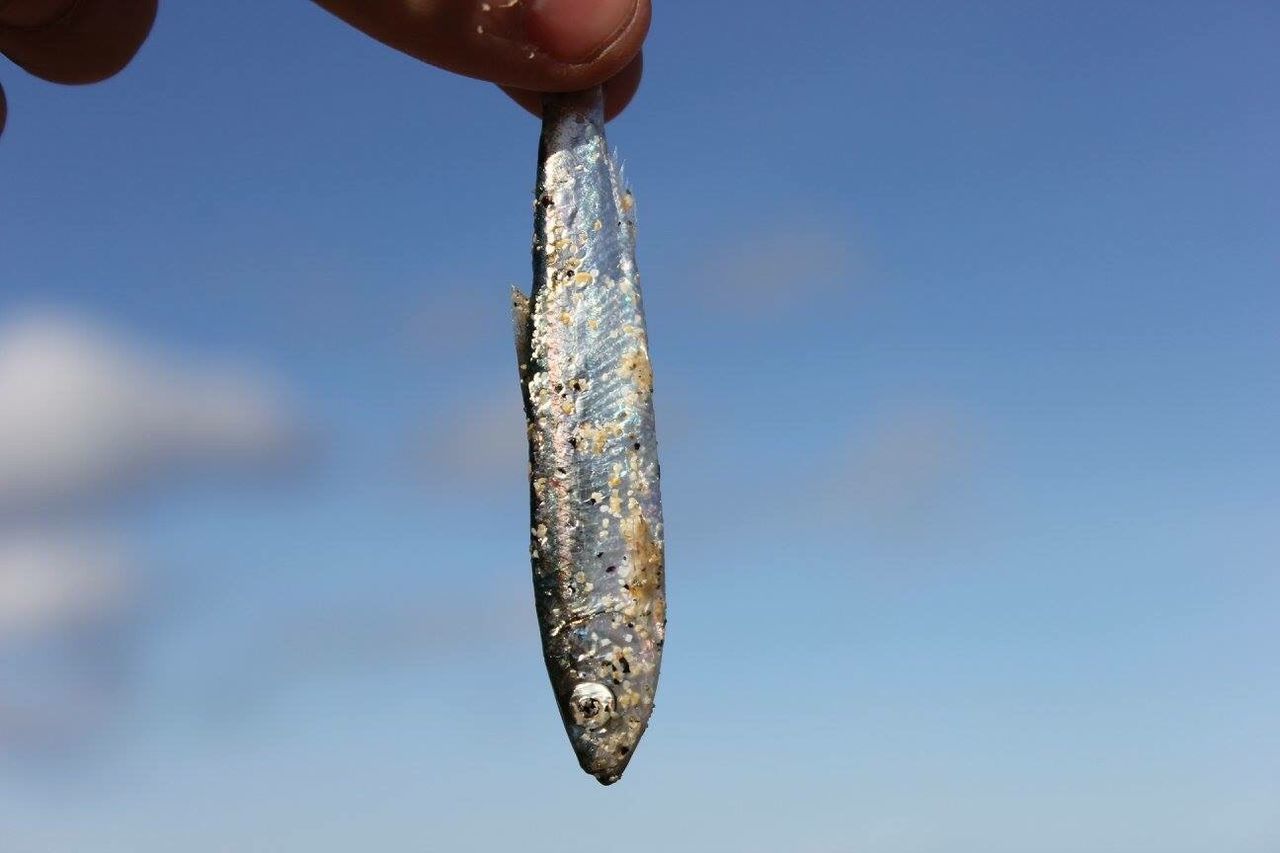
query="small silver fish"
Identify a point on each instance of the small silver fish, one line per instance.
(597, 543)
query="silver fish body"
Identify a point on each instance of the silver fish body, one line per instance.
(597, 537)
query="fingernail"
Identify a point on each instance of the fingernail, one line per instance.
(577, 30)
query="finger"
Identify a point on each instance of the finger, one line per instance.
(88, 41)
(534, 45)
(618, 91)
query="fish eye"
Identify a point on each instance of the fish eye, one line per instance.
(591, 704)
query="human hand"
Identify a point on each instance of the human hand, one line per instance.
(525, 46)
(72, 41)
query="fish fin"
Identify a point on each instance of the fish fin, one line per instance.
(522, 324)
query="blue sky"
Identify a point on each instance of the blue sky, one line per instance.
(964, 323)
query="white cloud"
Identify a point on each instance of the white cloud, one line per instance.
(69, 609)
(479, 442)
(59, 584)
(782, 269)
(910, 466)
(82, 412)
(85, 413)
(316, 639)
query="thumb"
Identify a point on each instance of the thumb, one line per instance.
(522, 45)
(83, 41)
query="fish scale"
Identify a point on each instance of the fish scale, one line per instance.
(587, 383)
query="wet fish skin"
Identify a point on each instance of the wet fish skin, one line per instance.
(597, 534)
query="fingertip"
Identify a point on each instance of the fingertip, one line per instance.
(530, 101)
(524, 46)
(95, 40)
(577, 31)
(618, 91)
(581, 43)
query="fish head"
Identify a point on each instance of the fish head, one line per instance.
(607, 697)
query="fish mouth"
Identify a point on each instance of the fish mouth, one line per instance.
(604, 762)
(605, 772)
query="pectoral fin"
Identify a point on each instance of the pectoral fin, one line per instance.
(522, 324)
